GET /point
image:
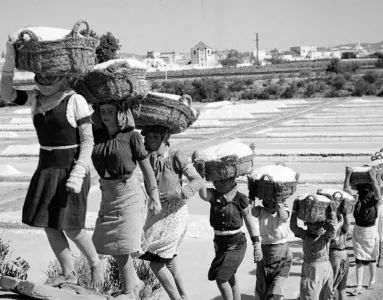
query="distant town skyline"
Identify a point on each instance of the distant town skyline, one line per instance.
(178, 25)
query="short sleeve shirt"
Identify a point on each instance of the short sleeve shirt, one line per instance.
(224, 215)
(117, 156)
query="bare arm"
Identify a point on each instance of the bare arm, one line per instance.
(251, 224)
(298, 231)
(151, 183)
(196, 183)
(206, 194)
(282, 212)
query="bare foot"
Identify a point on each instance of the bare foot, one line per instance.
(61, 279)
(97, 275)
(138, 287)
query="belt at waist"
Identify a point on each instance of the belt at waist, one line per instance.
(227, 232)
(58, 158)
(49, 148)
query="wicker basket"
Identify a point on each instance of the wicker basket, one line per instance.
(73, 54)
(116, 82)
(343, 202)
(267, 189)
(228, 167)
(311, 210)
(164, 111)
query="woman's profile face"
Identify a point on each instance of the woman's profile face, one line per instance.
(153, 140)
(108, 113)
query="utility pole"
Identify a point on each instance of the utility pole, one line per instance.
(256, 47)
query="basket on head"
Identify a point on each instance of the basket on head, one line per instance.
(361, 175)
(71, 54)
(272, 183)
(313, 208)
(230, 166)
(225, 160)
(345, 202)
(115, 79)
(167, 110)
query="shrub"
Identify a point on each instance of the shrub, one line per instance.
(339, 82)
(290, 91)
(371, 76)
(14, 268)
(361, 87)
(237, 85)
(310, 90)
(112, 282)
(379, 63)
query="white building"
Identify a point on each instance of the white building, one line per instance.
(201, 54)
(304, 51)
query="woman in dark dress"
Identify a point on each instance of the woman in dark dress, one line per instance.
(57, 195)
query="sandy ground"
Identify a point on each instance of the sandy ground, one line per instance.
(307, 140)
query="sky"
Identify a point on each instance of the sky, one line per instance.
(178, 25)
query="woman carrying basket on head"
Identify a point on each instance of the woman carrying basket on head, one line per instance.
(117, 152)
(366, 233)
(57, 195)
(164, 233)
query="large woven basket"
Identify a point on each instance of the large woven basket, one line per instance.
(267, 189)
(157, 109)
(361, 176)
(118, 81)
(343, 202)
(311, 210)
(230, 166)
(74, 54)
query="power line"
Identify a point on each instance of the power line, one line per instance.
(256, 47)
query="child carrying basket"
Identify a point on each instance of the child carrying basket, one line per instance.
(229, 208)
(272, 184)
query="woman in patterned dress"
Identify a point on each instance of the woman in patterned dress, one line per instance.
(164, 233)
(57, 195)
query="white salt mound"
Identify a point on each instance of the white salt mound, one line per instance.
(164, 95)
(132, 63)
(8, 134)
(322, 198)
(333, 191)
(47, 33)
(375, 163)
(278, 173)
(6, 170)
(361, 169)
(24, 111)
(224, 149)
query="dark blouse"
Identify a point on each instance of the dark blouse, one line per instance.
(224, 215)
(118, 154)
(366, 212)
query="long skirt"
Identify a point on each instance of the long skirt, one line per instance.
(119, 224)
(49, 205)
(272, 271)
(164, 233)
(365, 243)
(316, 281)
(229, 253)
